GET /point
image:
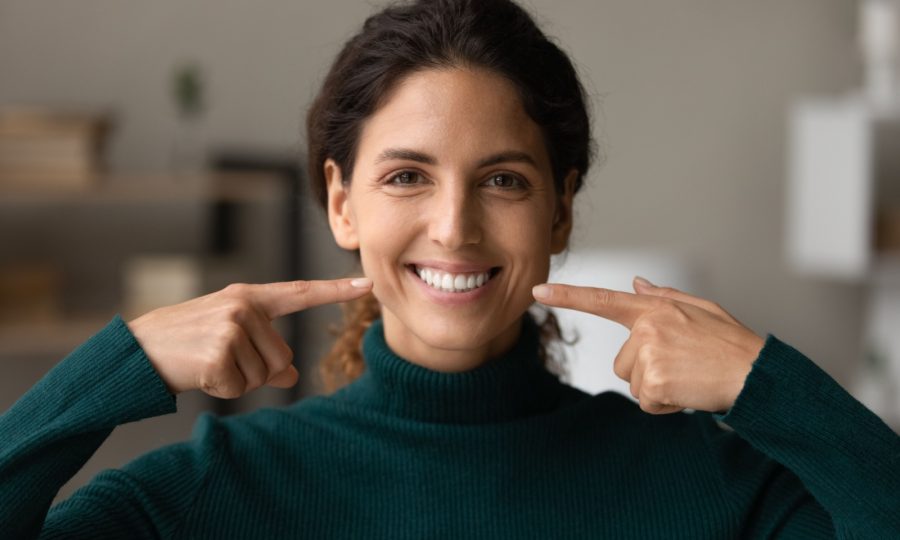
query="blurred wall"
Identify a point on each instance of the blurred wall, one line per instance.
(690, 99)
(692, 104)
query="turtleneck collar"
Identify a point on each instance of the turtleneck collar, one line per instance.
(511, 386)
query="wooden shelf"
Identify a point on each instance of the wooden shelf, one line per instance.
(55, 337)
(144, 188)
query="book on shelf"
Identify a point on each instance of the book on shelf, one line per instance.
(49, 148)
(30, 292)
(887, 230)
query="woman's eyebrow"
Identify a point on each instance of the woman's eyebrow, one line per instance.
(405, 154)
(507, 157)
(414, 155)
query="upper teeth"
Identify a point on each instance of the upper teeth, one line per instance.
(452, 282)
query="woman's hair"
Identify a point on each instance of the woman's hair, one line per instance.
(496, 35)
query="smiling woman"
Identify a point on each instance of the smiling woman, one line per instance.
(446, 147)
(442, 146)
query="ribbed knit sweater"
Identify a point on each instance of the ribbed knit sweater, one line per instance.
(502, 451)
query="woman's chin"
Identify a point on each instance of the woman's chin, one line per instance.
(449, 344)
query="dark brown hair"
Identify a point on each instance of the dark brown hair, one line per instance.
(497, 35)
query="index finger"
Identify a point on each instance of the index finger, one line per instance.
(621, 307)
(286, 297)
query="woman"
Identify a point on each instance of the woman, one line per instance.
(446, 145)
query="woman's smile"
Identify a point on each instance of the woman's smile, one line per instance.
(444, 284)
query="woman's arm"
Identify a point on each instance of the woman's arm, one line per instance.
(51, 431)
(846, 457)
(687, 352)
(154, 496)
(222, 343)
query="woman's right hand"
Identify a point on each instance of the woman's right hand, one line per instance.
(224, 343)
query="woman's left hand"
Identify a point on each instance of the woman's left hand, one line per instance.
(683, 351)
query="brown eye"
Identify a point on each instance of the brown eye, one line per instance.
(404, 178)
(505, 181)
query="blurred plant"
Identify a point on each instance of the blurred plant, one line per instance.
(188, 90)
(189, 94)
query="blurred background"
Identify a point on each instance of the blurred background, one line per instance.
(151, 152)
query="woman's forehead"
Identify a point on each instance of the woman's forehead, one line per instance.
(451, 113)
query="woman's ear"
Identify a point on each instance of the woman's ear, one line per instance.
(562, 220)
(340, 215)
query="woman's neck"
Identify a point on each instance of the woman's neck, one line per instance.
(511, 386)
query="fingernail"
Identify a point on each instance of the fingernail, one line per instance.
(643, 282)
(541, 291)
(361, 283)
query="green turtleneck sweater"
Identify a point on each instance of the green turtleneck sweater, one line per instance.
(502, 451)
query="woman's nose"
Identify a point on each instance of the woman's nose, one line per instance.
(455, 220)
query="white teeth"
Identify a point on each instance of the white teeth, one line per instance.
(459, 282)
(450, 282)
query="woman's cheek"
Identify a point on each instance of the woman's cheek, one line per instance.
(380, 260)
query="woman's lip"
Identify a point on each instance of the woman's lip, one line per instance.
(453, 267)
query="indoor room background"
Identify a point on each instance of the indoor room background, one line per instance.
(712, 119)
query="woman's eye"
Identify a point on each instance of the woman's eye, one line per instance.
(505, 181)
(404, 178)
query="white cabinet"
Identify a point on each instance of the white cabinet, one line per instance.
(843, 196)
(843, 190)
(829, 212)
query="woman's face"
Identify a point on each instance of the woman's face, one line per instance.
(453, 209)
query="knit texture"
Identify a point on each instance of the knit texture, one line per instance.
(502, 451)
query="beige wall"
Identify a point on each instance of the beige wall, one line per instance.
(690, 96)
(694, 97)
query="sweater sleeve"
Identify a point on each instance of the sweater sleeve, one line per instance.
(834, 460)
(52, 430)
